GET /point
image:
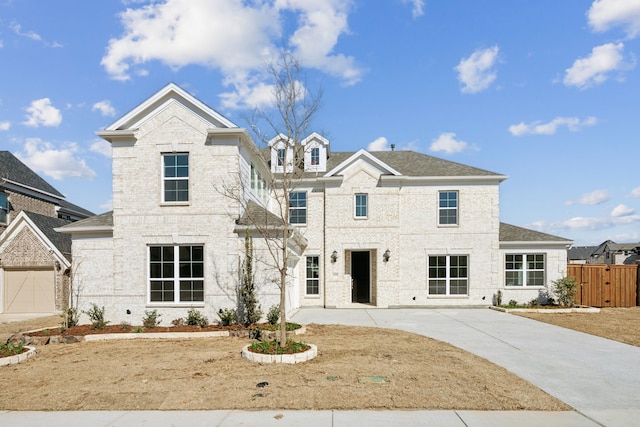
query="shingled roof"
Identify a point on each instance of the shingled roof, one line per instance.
(47, 224)
(512, 233)
(11, 168)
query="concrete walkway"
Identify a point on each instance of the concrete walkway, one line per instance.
(598, 377)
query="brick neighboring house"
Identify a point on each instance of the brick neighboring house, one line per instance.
(33, 256)
(386, 229)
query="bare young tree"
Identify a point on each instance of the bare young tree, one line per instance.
(289, 121)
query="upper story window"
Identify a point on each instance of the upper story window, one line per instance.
(281, 156)
(361, 205)
(4, 208)
(524, 270)
(298, 207)
(175, 177)
(447, 208)
(315, 156)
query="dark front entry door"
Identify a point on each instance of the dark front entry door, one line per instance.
(361, 277)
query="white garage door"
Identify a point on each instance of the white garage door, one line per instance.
(29, 291)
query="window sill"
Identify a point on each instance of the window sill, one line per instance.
(447, 296)
(175, 305)
(522, 287)
(313, 296)
(163, 204)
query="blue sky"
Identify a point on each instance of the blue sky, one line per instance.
(545, 91)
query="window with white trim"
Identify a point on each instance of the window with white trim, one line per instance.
(313, 275)
(281, 156)
(4, 208)
(176, 274)
(448, 275)
(315, 156)
(524, 270)
(175, 177)
(361, 205)
(298, 207)
(447, 208)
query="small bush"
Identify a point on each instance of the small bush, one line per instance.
(137, 330)
(194, 317)
(178, 322)
(151, 319)
(512, 303)
(565, 291)
(70, 318)
(272, 347)
(227, 316)
(497, 298)
(125, 326)
(11, 349)
(274, 314)
(96, 315)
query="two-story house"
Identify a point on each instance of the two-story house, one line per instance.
(33, 256)
(387, 229)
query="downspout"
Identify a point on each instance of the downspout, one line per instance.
(324, 246)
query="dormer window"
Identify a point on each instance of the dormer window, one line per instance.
(281, 156)
(4, 208)
(315, 156)
(316, 151)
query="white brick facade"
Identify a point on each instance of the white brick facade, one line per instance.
(401, 221)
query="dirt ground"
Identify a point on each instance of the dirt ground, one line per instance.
(357, 368)
(618, 324)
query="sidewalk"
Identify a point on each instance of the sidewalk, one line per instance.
(298, 418)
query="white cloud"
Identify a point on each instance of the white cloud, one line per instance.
(447, 143)
(595, 69)
(42, 113)
(5, 125)
(606, 14)
(101, 147)
(594, 198)
(622, 210)
(587, 223)
(378, 144)
(215, 35)
(635, 193)
(17, 28)
(574, 124)
(57, 163)
(105, 108)
(476, 72)
(417, 9)
(248, 95)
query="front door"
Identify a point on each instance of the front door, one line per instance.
(361, 277)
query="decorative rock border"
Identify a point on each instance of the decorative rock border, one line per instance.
(11, 360)
(291, 359)
(579, 309)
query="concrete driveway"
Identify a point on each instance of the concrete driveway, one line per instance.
(598, 377)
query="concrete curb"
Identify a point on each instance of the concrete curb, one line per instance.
(290, 359)
(547, 310)
(11, 360)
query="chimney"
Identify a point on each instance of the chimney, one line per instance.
(393, 147)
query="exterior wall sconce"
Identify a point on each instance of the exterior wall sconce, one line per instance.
(334, 256)
(386, 255)
(58, 266)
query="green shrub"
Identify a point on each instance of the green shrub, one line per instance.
(70, 318)
(274, 314)
(272, 347)
(565, 291)
(96, 315)
(194, 317)
(11, 349)
(151, 319)
(125, 326)
(178, 322)
(227, 316)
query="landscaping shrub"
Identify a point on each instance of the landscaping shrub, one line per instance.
(194, 317)
(70, 318)
(151, 319)
(565, 291)
(96, 315)
(227, 316)
(274, 314)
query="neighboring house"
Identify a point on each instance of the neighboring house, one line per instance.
(387, 229)
(33, 257)
(608, 252)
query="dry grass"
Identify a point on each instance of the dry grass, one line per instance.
(357, 368)
(618, 324)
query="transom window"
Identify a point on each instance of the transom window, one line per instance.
(298, 207)
(313, 275)
(175, 177)
(524, 269)
(361, 208)
(448, 208)
(4, 208)
(176, 274)
(448, 275)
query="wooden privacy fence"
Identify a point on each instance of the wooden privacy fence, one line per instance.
(603, 285)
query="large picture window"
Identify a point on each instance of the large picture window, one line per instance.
(524, 269)
(448, 208)
(298, 207)
(313, 275)
(176, 274)
(448, 275)
(175, 177)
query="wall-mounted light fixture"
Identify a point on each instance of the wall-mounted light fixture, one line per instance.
(386, 255)
(334, 256)
(58, 266)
